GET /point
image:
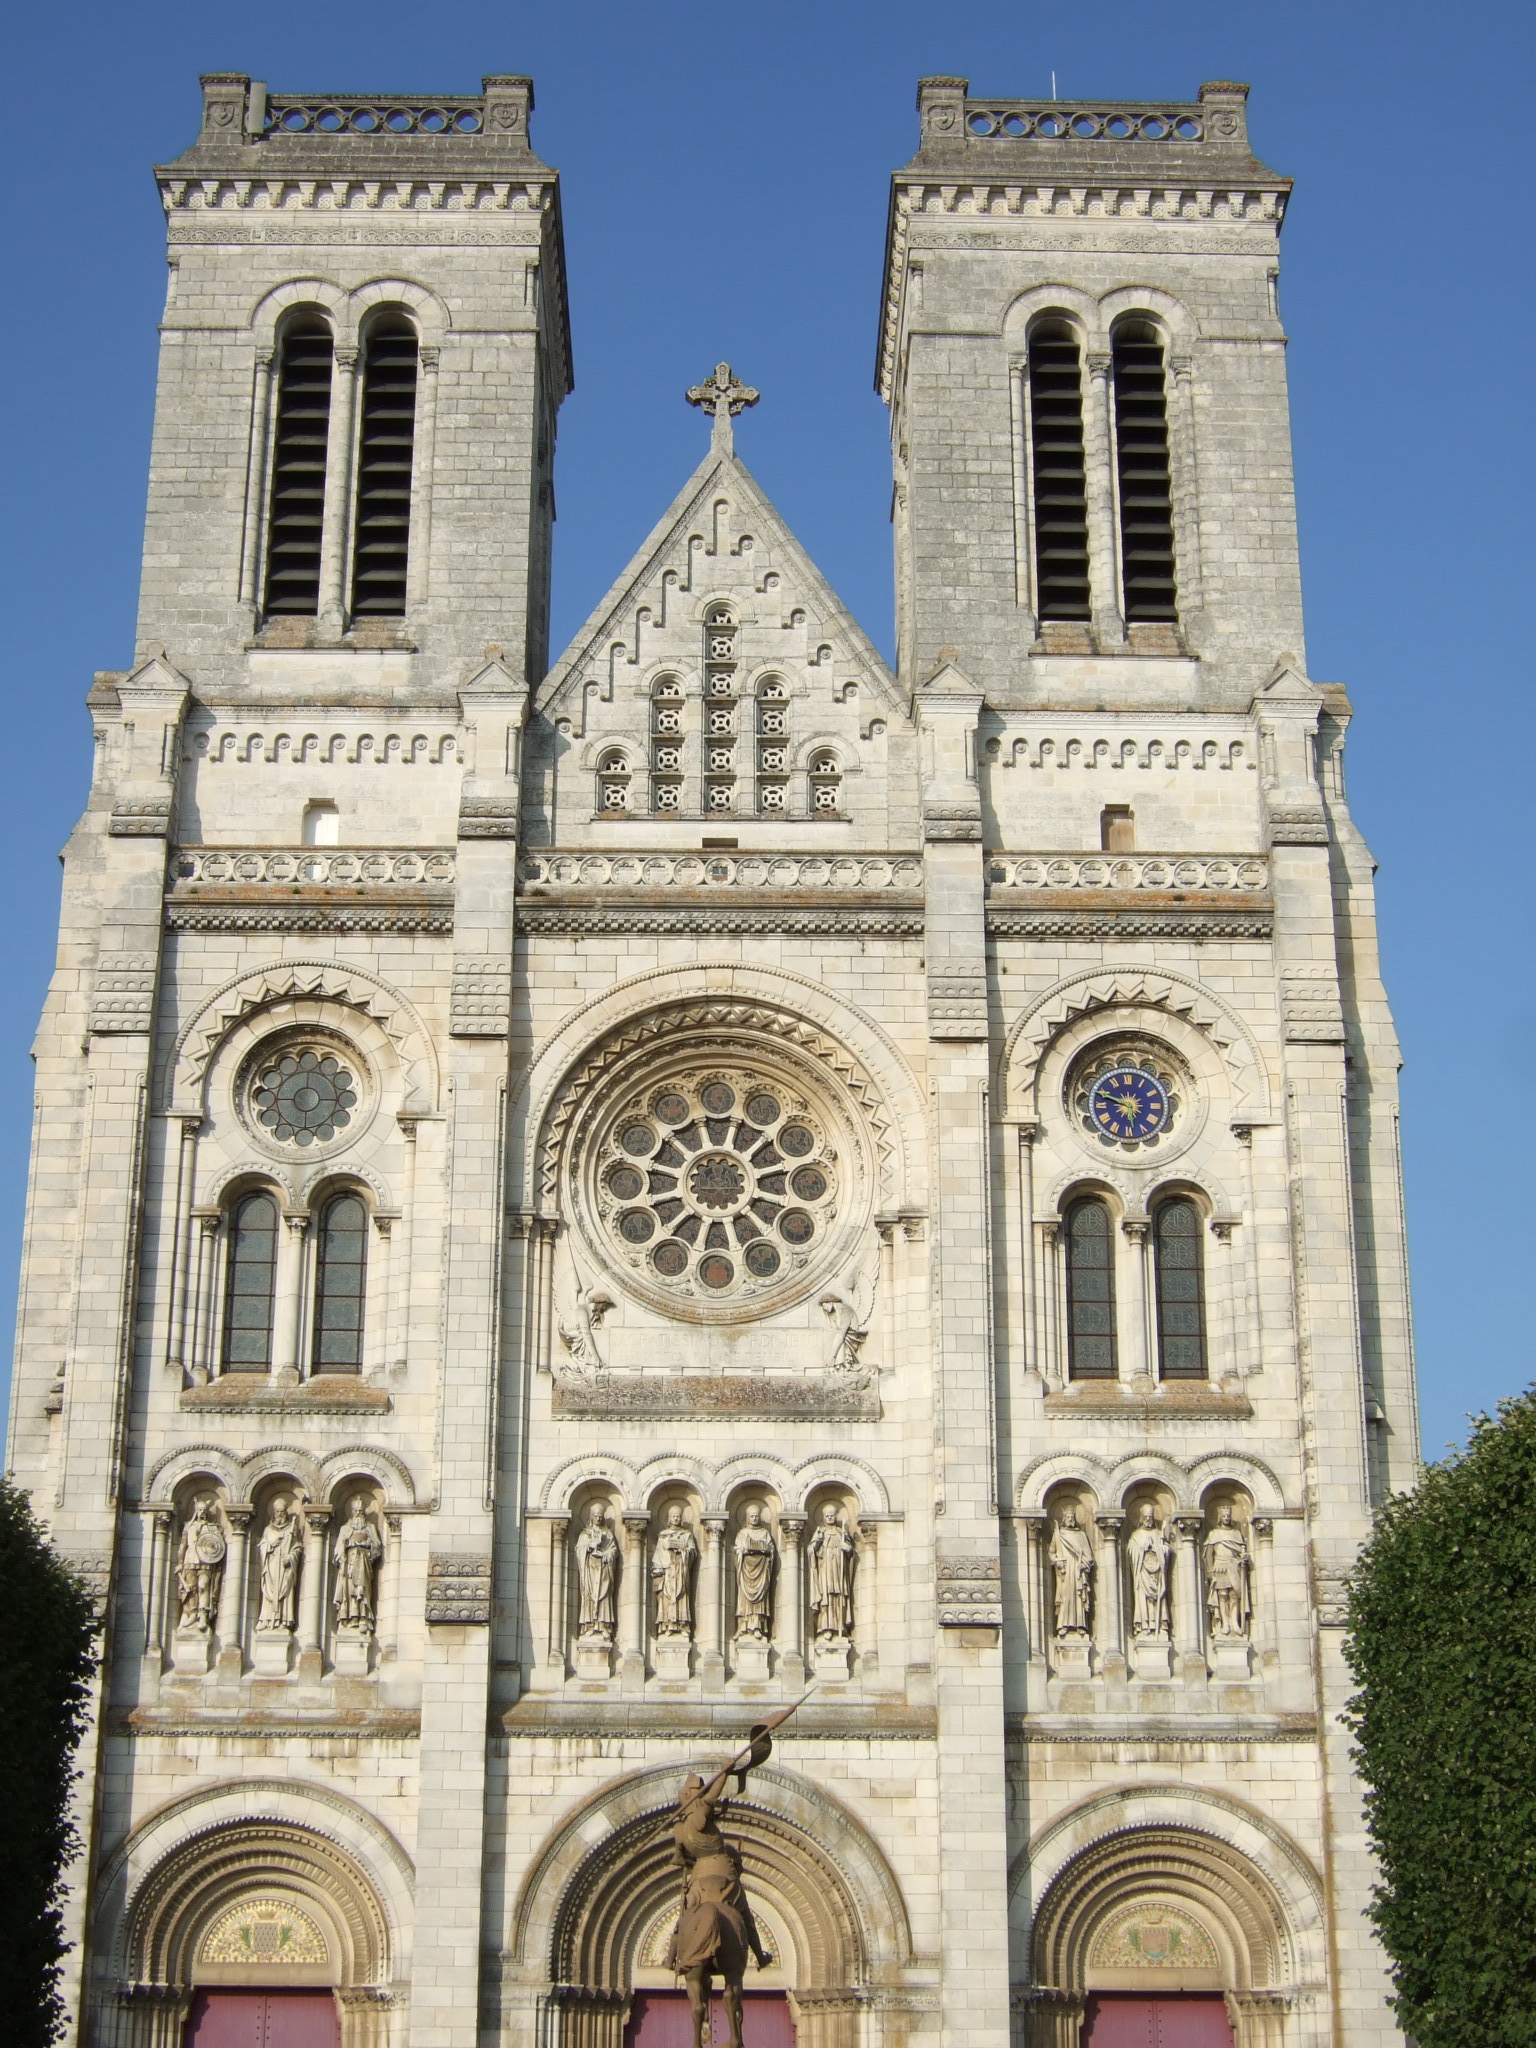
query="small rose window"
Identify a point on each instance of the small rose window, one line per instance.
(717, 1185)
(303, 1096)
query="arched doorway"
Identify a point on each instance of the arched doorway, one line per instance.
(1161, 1932)
(254, 1933)
(599, 1904)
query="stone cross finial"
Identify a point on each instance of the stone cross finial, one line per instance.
(722, 395)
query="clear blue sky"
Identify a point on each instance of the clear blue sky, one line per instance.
(724, 173)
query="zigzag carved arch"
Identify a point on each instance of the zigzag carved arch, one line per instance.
(1145, 988)
(317, 981)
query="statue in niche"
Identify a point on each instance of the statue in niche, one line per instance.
(597, 1571)
(200, 1567)
(1071, 1557)
(829, 1558)
(672, 1563)
(279, 1551)
(755, 1561)
(1147, 1553)
(358, 1551)
(1226, 1576)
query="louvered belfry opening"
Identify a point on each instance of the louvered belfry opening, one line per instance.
(298, 470)
(386, 436)
(1056, 463)
(1146, 485)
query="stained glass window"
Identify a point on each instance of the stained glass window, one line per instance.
(1180, 1291)
(1090, 1291)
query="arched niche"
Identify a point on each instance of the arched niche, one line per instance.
(595, 1909)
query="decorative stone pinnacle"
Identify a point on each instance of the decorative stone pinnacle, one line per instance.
(723, 395)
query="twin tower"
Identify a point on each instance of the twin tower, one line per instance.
(573, 1200)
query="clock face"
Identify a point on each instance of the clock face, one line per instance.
(1128, 1105)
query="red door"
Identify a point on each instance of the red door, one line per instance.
(1124, 2020)
(262, 2019)
(660, 2019)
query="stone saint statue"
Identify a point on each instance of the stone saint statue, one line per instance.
(358, 1550)
(200, 1567)
(1071, 1557)
(755, 1560)
(280, 1549)
(1226, 1576)
(1147, 1554)
(672, 1563)
(597, 1566)
(829, 1557)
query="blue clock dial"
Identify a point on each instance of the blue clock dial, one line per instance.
(1128, 1105)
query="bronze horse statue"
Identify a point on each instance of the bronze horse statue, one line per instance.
(716, 1933)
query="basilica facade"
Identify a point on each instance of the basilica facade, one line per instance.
(576, 1202)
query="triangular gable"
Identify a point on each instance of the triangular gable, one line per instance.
(698, 551)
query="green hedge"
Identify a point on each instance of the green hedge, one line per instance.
(1442, 1616)
(46, 1663)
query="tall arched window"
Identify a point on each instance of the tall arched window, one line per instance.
(1177, 1259)
(1059, 489)
(341, 1273)
(1146, 485)
(301, 434)
(251, 1276)
(386, 438)
(1090, 1291)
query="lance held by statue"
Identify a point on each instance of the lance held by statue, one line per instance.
(715, 1931)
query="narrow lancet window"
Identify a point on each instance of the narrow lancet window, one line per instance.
(1090, 1291)
(301, 435)
(1146, 487)
(248, 1289)
(386, 438)
(1180, 1291)
(341, 1269)
(1059, 492)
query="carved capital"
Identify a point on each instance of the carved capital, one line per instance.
(637, 1524)
(346, 357)
(1262, 1525)
(1099, 362)
(1135, 1228)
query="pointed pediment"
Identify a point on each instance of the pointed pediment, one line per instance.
(720, 539)
(1287, 685)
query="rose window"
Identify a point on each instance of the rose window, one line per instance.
(720, 1185)
(1127, 1097)
(303, 1096)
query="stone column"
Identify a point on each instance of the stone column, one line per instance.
(1186, 483)
(1223, 1346)
(1188, 1620)
(379, 1312)
(1110, 1616)
(632, 1605)
(181, 1251)
(1139, 1353)
(256, 484)
(791, 1604)
(559, 1600)
(418, 560)
(161, 1525)
(287, 1304)
(1029, 1286)
(1053, 1351)
(866, 1602)
(711, 1645)
(1036, 1530)
(1103, 541)
(317, 1528)
(202, 1349)
(389, 1617)
(335, 532)
(1266, 1607)
(232, 1610)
